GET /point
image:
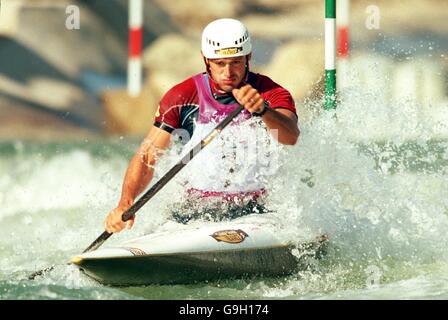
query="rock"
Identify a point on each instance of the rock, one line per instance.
(196, 14)
(170, 60)
(9, 17)
(18, 121)
(298, 66)
(128, 115)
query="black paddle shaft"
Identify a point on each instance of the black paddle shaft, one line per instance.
(128, 214)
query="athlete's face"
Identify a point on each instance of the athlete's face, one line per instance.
(228, 73)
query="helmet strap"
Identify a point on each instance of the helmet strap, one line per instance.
(246, 75)
(207, 67)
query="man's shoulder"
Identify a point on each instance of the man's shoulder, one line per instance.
(276, 95)
(184, 92)
(186, 86)
(263, 82)
(259, 76)
(175, 101)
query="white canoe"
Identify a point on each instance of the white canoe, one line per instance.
(205, 253)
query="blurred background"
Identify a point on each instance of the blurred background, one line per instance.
(59, 83)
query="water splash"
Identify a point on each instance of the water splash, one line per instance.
(372, 177)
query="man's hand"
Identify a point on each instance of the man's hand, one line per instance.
(113, 222)
(249, 98)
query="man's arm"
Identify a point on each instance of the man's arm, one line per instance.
(138, 176)
(281, 122)
(283, 125)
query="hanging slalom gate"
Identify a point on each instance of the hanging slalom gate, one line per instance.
(135, 47)
(330, 54)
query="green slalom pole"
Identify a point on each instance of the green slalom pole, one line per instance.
(330, 54)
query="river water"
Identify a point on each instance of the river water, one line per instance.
(373, 177)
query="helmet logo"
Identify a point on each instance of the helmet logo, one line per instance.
(229, 51)
(230, 236)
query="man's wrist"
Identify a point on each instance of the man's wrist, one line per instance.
(262, 112)
(125, 203)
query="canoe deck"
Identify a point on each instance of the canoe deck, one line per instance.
(192, 267)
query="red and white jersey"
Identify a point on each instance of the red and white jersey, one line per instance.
(179, 107)
(231, 164)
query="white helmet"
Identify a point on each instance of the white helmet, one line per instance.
(225, 38)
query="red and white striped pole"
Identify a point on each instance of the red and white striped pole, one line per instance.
(135, 47)
(343, 41)
(343, 8)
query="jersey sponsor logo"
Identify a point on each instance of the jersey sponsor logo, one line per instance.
(230, 236)
(229, 51)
